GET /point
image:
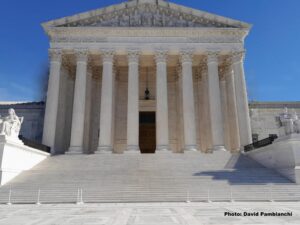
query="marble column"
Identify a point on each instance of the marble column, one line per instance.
(52, 99)
(78, 118)
(133, 102)
(224, 103)
(188, 102)
(242, 99)
(162, 121)
(232, 113)
(215, 107)
(105, 144)
(205, 128)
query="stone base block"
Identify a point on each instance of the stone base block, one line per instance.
(104, 150)
(162, 148)
(74, 150)
(218, 148)
(133, 149)
(190, 148)
(15, 157)
(283, 156)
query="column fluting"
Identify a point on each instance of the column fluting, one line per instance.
(105, 144)
(49, 130)
(242, 99)
(162, 121)
(188, 102)
(232, 113)
(78, 118)
(215, 107)
(133, 102)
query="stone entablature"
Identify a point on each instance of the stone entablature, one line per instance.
(146, 35)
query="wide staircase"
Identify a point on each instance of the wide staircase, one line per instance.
(163, 177)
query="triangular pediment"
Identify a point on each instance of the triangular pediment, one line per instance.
(146, 13)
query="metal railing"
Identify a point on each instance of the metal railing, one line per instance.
(243, 193)
(261, 143)
(34, 144)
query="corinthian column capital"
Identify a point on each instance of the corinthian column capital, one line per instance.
(107, 55)
(55, 55)
(81, 55)
(212, 57)
(186, 56)
(161, 56)
(133, 56)
(238, 57)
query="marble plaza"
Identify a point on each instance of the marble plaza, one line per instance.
(149, 214)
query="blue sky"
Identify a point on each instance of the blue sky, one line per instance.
(273, 50)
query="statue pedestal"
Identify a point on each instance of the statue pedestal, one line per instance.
(283, 156)
(15, 158)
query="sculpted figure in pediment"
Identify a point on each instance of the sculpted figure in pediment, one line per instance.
(157, 20)
(147, 17)
(1, 123)
(135, 19)
(124, 20)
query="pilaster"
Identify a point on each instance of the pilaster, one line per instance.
(78, 118)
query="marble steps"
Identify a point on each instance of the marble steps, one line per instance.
(148, 178)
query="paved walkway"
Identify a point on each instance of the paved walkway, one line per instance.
(148, 214)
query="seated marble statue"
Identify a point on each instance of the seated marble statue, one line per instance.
(296, 122)
(11, 125)
(287, 122)
(1, 122)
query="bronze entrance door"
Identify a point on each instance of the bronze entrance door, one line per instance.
(147, 133)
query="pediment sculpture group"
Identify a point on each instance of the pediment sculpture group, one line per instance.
(10, 125)
(290, 122)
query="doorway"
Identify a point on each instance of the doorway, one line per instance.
(147, 132)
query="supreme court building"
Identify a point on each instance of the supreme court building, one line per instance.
(146, 76)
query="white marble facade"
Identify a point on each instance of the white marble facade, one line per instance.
(102, 61)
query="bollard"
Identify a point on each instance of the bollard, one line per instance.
(38, 202)
(188, 197)
(208, 196)
(9, 198)
(231, 195)
(79, 197)
(271, 194)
